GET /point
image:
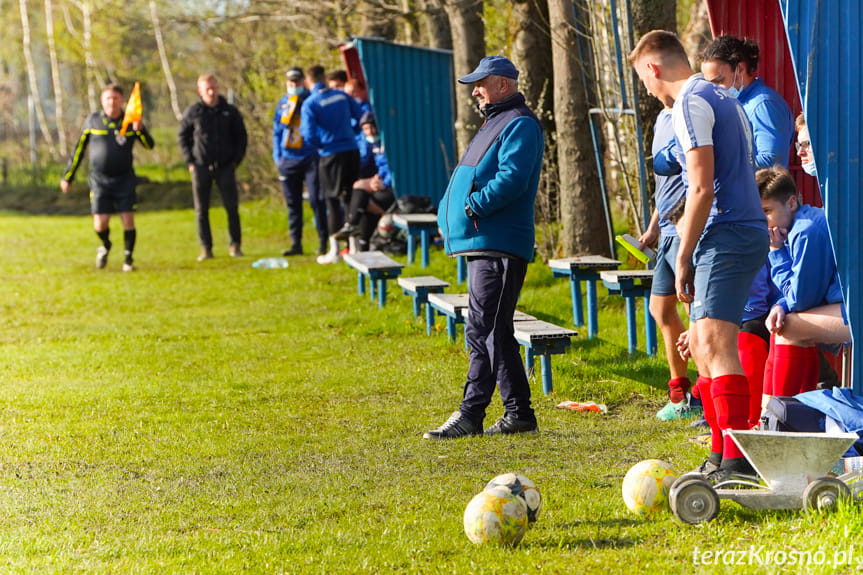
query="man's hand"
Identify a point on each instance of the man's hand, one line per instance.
(191, 168)
(136, 126)
(648, 238)
(775, 319)
(64, 186)
(376, 183)
(683, 346)
(684, 281)
(777, 237)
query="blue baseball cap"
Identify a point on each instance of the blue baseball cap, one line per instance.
(491, 66)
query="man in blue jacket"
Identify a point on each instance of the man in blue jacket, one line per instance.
(487, 215)
(297, 161)
(326, 125)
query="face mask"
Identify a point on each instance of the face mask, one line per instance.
(294, 91)
(373, 139)
(810, 169)
(732, 90)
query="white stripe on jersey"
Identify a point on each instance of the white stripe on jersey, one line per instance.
(693, 122)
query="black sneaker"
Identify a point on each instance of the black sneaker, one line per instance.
(508, 424)
(347, 231)
(706, 468)
(296, 250)
(456, 426)
(726, 478)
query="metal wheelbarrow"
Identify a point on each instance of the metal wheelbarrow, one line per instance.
(793, 467)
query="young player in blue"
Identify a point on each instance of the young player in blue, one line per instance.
(732, 62)
(803, 269)
(723, 235)
(670, 191)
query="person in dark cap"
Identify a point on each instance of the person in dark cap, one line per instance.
(297, 161)
(487, 215)
(373, 194)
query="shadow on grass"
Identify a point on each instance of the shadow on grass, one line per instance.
(617, 524)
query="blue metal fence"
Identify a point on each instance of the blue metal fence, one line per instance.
(412, 94)
(827, 49)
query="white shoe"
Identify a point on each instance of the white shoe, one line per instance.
(128, 267)
(101, 257)
(329, 258)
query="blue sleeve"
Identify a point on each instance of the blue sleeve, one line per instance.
(278, 134)
(356, 114)
(665, 162)
(771, 134)
(803, 270)
(384, 170)
(308, 125)
(520, 142)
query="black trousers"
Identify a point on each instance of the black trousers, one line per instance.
(495, 284)
(292, 174)
(202, 185)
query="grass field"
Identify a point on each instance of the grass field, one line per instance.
(215, 418)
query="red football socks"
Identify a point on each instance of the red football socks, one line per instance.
(731, 401)
(677, 389)
(795, 370)
(753, 356)
(704, 392)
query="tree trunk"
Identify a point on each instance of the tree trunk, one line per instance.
(468, 39)
(55, 79)
(436, 25)
(531, 54)
(697, 33)
(166, 65)
(583, 221)
(33, 81)
(89, 62)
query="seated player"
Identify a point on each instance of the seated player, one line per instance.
(809, 309)
(372, 194)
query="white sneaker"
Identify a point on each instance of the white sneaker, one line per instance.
(128, 267)
(329, 258)
(101, 257)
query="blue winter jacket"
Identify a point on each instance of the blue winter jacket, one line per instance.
(326, 120)
(804, 269)
(497, 178)
(283, 133)
(772, 124)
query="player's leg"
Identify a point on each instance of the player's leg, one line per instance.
(753, 345)
(227, 182)
(126, 201)
(102, 229)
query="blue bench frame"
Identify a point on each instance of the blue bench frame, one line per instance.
(543, 339)
(419, 288)
(583, 269)
(378, 268)
(632, 284)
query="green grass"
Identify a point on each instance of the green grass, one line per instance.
(215, 418)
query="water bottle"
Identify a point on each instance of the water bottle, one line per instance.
(270, 263)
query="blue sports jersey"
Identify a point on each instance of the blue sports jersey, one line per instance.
(772, 124)
(669, 184)
(707, 115)
(326, 121)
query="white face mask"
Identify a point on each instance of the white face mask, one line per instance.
(373, 139)
(810, 169)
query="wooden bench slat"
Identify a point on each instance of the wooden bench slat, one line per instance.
(583, 261)
(412, 283)
(452, 303)
(403, 220)
(538, 329)
(366, 262)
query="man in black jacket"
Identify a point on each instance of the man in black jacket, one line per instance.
(213, 140)
(112, 177)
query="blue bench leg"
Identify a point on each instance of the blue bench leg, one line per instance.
(417, 304)
(577, 313)
(372, 290)
(649, 328)
(450, 328)
(632, 334)
(429, 318)
(461, 268)
(382, 292)
(592, 312)
(528, 360)
(361, 284)
(412, 246)
(545, 366)
(424, 246)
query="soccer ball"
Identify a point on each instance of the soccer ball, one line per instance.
(522, 487)
(495, 516)
(646, 485)
(386, 227)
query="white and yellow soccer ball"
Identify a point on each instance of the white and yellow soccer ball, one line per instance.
(495, 516)
(522, 487)
(646, 485)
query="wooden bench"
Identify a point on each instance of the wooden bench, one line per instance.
(583, 269)
(422, 225)
(378, 267)
(450, 305)
(543, 339)
(419, 289)
(632, 284)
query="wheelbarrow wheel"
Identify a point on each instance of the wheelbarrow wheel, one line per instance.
(694, 501)
(824, 494)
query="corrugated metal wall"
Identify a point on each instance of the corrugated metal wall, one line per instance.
(761, 20)
(412, 94)
(826, 42)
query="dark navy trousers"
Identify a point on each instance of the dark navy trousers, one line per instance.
(292, 174)
(494, 286)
